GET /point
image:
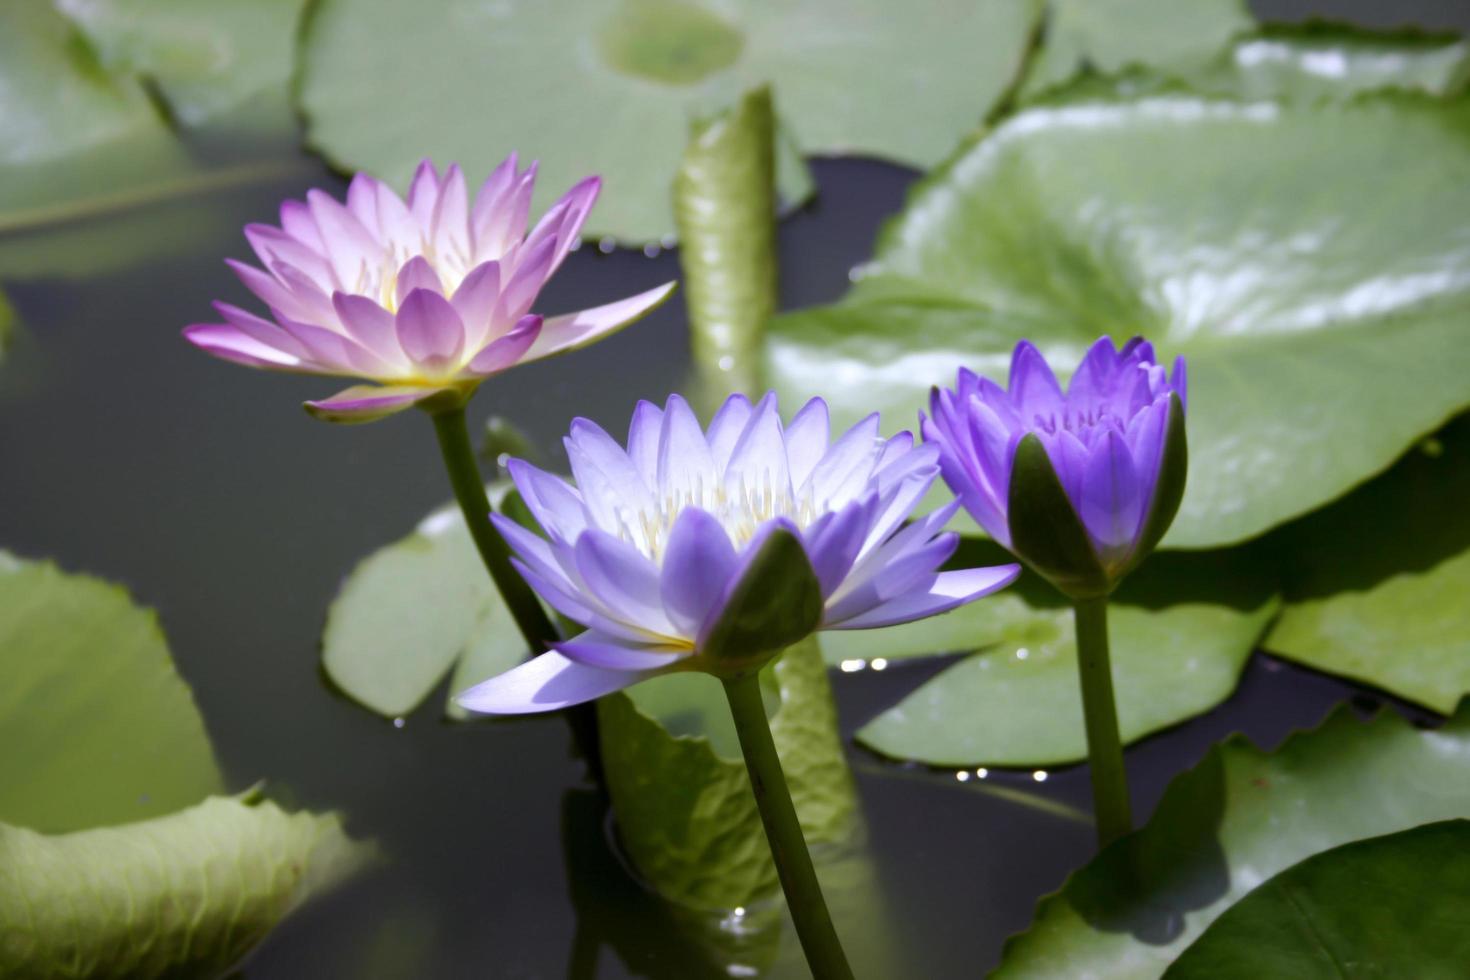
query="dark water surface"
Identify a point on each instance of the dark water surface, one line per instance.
(126, 454)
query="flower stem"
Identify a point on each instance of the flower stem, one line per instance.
(783, 831)
(1100, 714)
(469, 491)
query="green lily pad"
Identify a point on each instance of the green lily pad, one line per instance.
(110, 732)
(1230, 824)
(593, 87)
(1181, 629)
(207, 59)
(1378, 585)
(1110, 36)
(183, 895)
(1237, 234)
(411, 611)
(1387, 906)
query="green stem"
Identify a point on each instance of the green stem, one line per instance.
(1100, 713)
(783, 831)
(469, 491)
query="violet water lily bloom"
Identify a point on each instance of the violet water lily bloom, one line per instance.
(427, 296)
(714, 549)
(1080, 484)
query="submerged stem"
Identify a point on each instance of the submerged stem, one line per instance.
(783, 831)
(1100, 714)
(474, 503)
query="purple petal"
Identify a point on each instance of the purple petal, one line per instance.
(758, 461)
(643, 437)
(417, 273)
(1033, 387)
(574, 330)
(429, 331)
(609, 482)
(1094, 376)
(725, 428)
(686, 469)
(367, 403)
(557, 507)
(833, 549)
(625, 581)
(505, 352)
(594, 649)
(557, 592)
(908, 571)
(807, 438)
(949, 590)
(843, 471)
(699, 561)
(1180, 381)
(1111, 501)
(546, 683)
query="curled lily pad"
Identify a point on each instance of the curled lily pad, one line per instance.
(413, 610)
(609, 88)
(187, 894)
(1235, 233)
(1182, 628)
(110, 731)
(1390, 906)
(1378, 585)
(1231, 823)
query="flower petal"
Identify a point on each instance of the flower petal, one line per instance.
(523, 285)
(545, 683)
(699, 561)
(624, 580)
(725, 428)
(1111, 502)
(417, 273)
(758, 461)
(594, 649)
(949, 590)
(643, 436)
(1033, 387)
(574, 330)
(368, 403)
(429, 331)
(842, 473)
(231, 344)
(686, 470)
(557, 507)
(506, 352)
(474, 301)
(369, 324)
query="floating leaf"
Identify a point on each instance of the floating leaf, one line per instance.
(183, 895)
(207, 59)
(592, 87)
(1395, 905)
(1236, 234)
(1182, 628)
(110, 733)
(1232, 822)
(1110, 36)
(411, 611)
(1378, 585)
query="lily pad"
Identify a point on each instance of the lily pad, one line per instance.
(1387, 906)
(102, 729)
(1237, 234)
(411, 611)
(1233, 822)
(1182, 628)
(1110, 36)
(207, 59)
(592, 87)
(183, 895)
(1378, 585)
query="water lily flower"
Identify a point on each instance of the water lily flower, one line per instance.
(427, 296)
(713, 549)
(1081, 484)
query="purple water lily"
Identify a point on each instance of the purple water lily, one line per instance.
(712, 549)
(427, 296)
(1113, 441)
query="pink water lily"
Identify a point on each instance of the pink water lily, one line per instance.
(427, 296)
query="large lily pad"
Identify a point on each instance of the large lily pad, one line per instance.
(1238, 234)
(1182, 628)
(1378, 585)
(1110, 36)
(593, 87)
(1231, 823)
(207, 59)
(411, 611)
(1387, 906)
(101, 728)
(184, 895)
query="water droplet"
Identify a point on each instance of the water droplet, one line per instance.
(849, 666)
(1022, 653)
(576, 244)
(878, 663)
(981, 773)
(1039, 775)
(397, 722)
(962, 776)
(502, 459)
(607, 245)
(669, 240)
(726, 362)
(651, 250)
(739, 911)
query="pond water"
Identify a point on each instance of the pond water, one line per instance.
(127, 454)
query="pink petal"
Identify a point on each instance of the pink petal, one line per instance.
(367, 403)
(451, 228)
(505, 352)
(474, 301)
(369, 324)
(230, 344)
(574, 330)
(525, 282)
(417, 273)
(429, 331)
(423, 194)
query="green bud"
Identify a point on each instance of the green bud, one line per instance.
(776, 603)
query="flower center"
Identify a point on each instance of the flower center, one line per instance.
(1079, 422)
(741, 509)
(380, 282)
